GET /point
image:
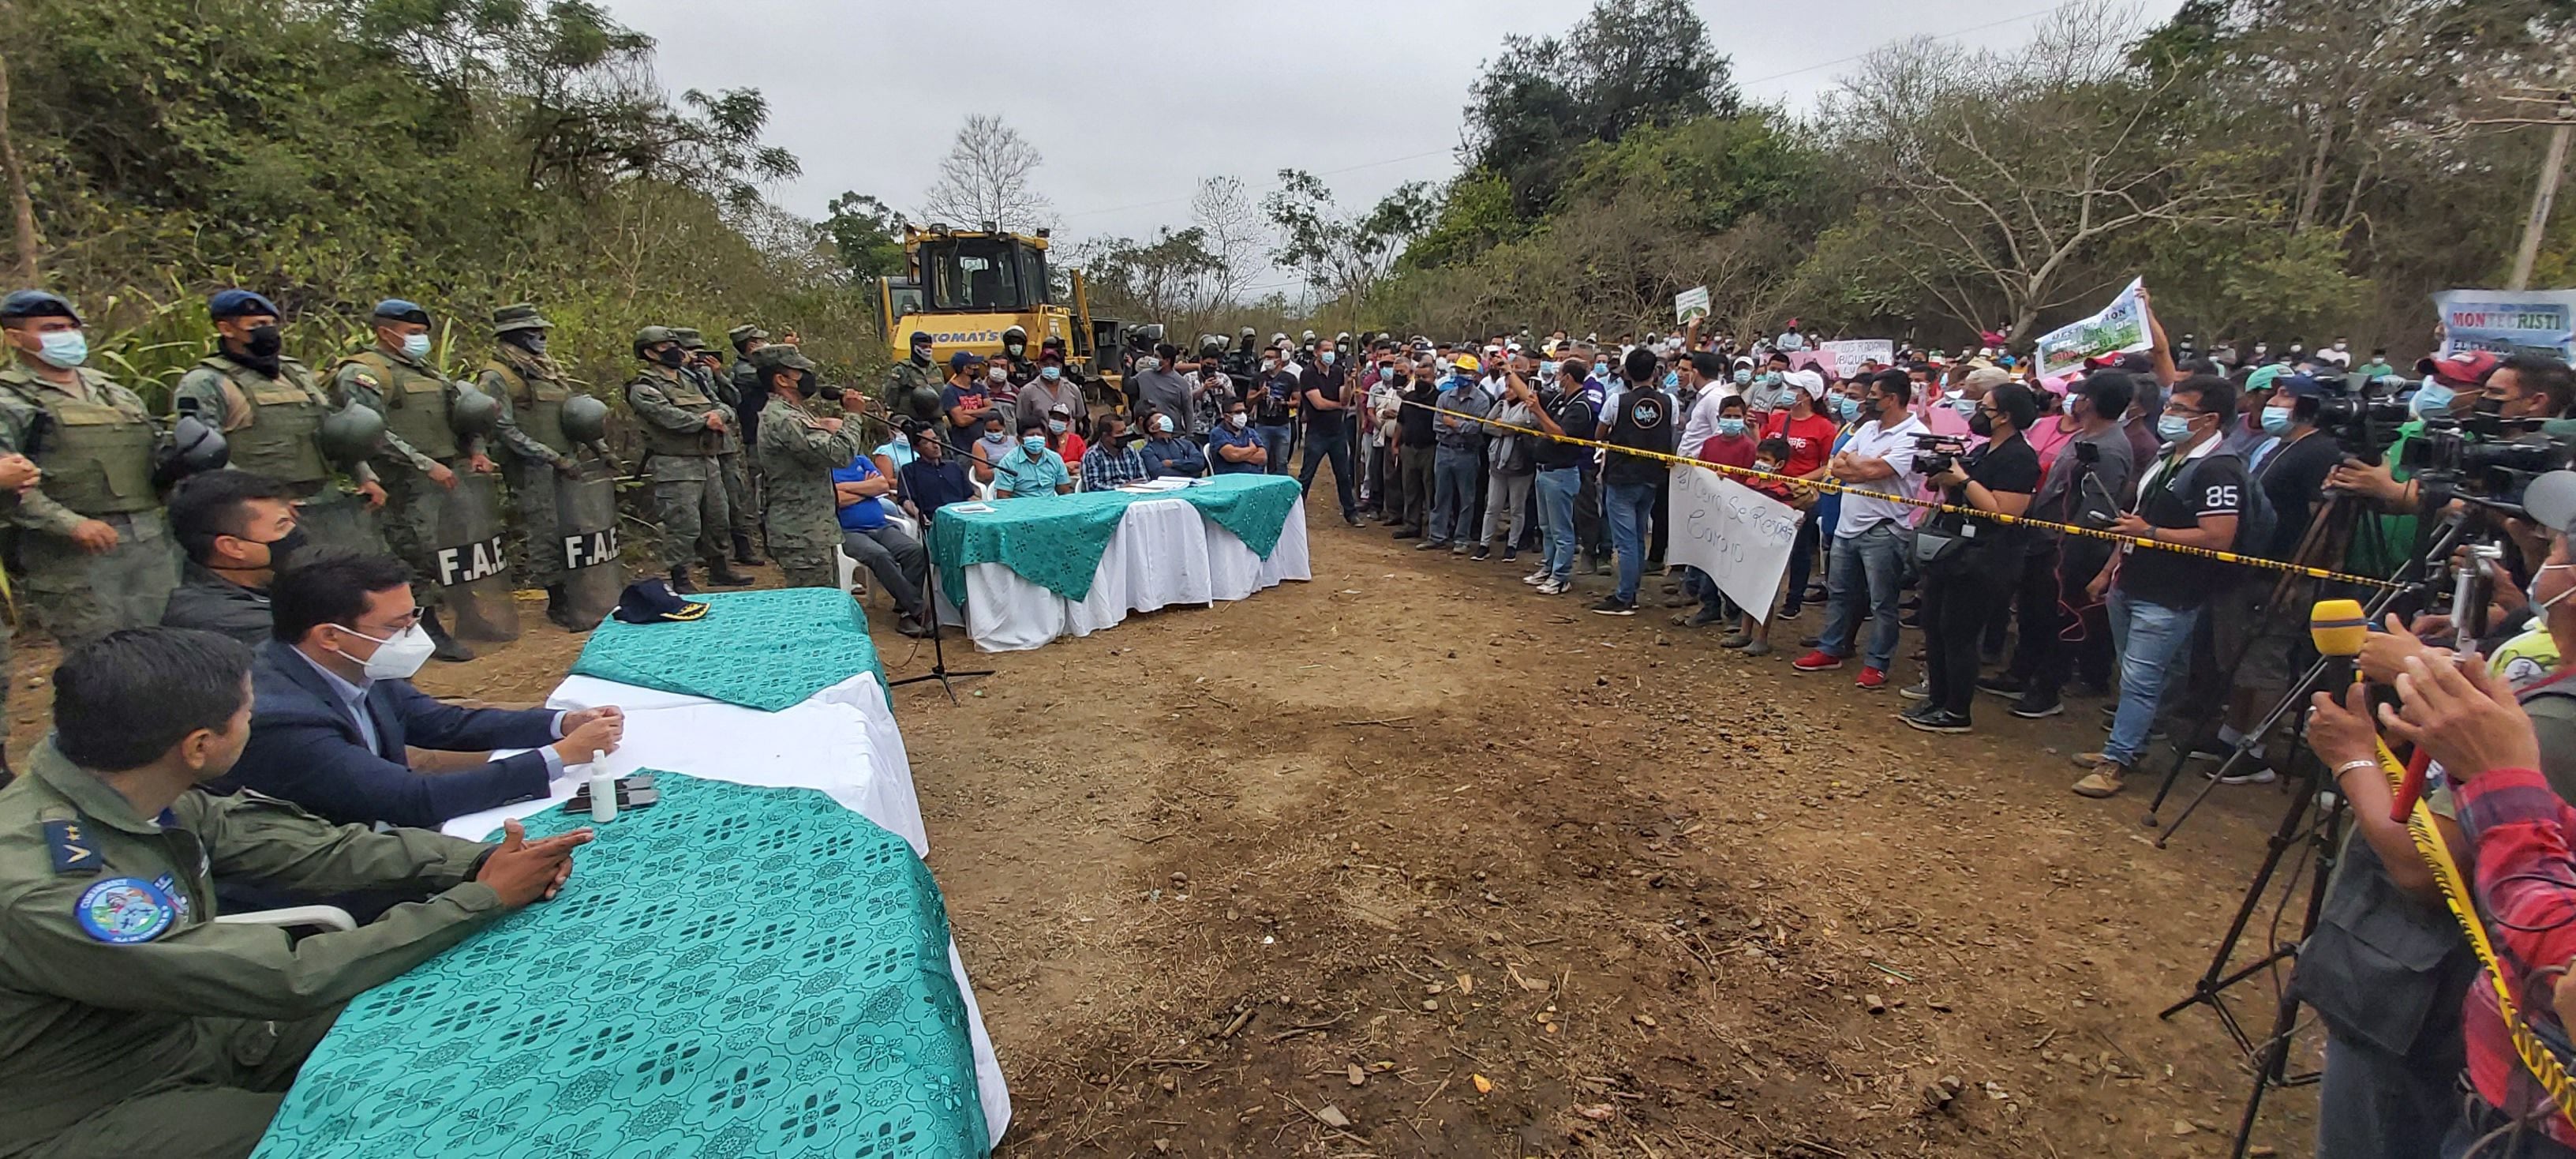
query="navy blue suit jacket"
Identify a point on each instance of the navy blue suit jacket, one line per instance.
(305, 747)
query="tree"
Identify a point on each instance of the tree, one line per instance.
(1629, 64)
(1222, 212)
(1163, 279)
(868, 235)
(1343, 255)
(988, 176)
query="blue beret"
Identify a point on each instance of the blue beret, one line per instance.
(398, 310)
(36, 304)
(236, 303)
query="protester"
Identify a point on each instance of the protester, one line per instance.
(1810, 434)
(1063, 438)
(964, 402)
(1418, 450)
(1728, 444)
(1566, 411)
(1509, 464)
(1453, 470)
(1869, 544)
(1641, 419)
(239, 530)
(1274, 409)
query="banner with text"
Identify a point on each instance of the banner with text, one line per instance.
(2120, 327)
(1848, 354)
(2508, 321)
(1691, 303)
(1736, 534)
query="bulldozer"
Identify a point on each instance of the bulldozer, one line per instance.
(964, 288)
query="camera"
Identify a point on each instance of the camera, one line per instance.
(1936, 454)
(2362, 425)
(2486, 457)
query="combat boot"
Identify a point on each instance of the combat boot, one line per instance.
(559, 610)
(680, 584)
(444, 646)
(742, 549)
(723, 575)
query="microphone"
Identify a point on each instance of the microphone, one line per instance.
(2338, 627)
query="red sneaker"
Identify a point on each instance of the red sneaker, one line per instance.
(1871, 678)
(1817, 661)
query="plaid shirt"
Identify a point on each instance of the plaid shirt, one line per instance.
(2520, 829)
(1107, 465)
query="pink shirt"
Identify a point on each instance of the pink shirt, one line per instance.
(2047, 435)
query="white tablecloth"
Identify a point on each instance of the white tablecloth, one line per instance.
(841, 741)
(1163, 553)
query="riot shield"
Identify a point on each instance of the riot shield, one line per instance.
(586, 517)
(339, 520)
(471, 568)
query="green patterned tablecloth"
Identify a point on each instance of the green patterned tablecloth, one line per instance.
(733, 972)
(766, 650)
(1056, 541)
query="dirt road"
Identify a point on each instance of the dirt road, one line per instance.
(1409, 861)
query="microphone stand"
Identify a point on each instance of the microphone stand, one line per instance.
(939, 670)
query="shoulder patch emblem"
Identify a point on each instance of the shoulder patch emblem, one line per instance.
(71, 848)
(125, 910)
(364, 379)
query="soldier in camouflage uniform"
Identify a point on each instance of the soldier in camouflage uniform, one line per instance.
(421, 453)
(97, 552)
(912, 387)
(798, 453)
(534, 448)
(139, 1025)
(715, 383)
(683, 432)
(270, 411)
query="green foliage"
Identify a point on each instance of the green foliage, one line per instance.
(1475, 215)
(1630, 64)
(868, 235)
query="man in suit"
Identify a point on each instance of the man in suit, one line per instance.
(335, 709)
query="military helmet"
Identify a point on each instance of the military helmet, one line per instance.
(352, 433)
(1018, 332)
(689, 340)
(198, 446)
(1247, 334)
(651, 336)
(585, 419)
(473, 412)
(519, 317)
(1308, 338)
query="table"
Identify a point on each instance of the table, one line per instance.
(839, 742)
(1034, 569)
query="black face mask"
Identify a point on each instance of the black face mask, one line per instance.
(671, 356)
(806, 387)
(532, 341)
(284, 548)
(1981, 425)
(263, 342)
(921, 355)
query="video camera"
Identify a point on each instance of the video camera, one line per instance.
(2486, 457)
(2363, 420)
(1935, 454)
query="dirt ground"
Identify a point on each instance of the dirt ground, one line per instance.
(1410, 861)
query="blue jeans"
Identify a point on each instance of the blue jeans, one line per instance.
(1274, 441)
(1629, 506)
(1556, 492)
(2151, 638)
(1335, 443)
(1453, 482)
(1869, 566)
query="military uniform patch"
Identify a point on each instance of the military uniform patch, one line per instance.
(72, 851)
(124, 910)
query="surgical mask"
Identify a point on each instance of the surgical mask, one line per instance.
(1057, 426)
(1148, 365)
(416, 345)
(1600, 368)
(2276, 420)
(1771, 378)
(1163, 423)
(2067, 404)
(2540, 607)
(63, 348)
(1033, 444)
(997, 375)
(1672, 379)
(1965, 406)
(1547, 370)
(1050, 373)
(1269, 364)
(1744, 378)
(1766, 466)
(397, 657)
(1330, 358)
(2173, 428)
(2433, 400)
(1848, 406)
(1730, 427)
(2339, 346)
(1386, 374)
(265, 342)
(1014, 348)
(1235, 420)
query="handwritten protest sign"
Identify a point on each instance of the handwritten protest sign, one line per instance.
(2508, 321)
(1691, 303)
(1736, 534)
(1849, 353)
(2121, 326)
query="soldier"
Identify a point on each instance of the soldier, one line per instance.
(683, 431)
(96, 552)
(912, 387)
(715, 383)
(270, 410)
(420, 452)
(798, 453)
(140, 1024)
(534, 448)
(747, 339)
(1015, 354)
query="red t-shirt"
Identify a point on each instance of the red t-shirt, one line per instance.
(1728, 451)
(1811, 440)
(1073, 448)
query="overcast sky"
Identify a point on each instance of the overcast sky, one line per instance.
(868, 94)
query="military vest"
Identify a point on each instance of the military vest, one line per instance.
(270, 424)
(96, 453)
(415, 404)
(730, 442)
(538, 405)
(684, 393)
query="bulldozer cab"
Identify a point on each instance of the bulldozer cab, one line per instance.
(981, 273)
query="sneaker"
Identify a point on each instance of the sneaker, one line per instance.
(1351, 519)
(1815, 593)
(2247, 773)
(1736, 640)
(1405, 533)
(1614, 606)
(1511, 555)
(1537, 577)
(1871, 679)
(1458, 548)
(1919, 690)
(2003, 686)
(2104, 781)
(2030, 709)
(1600, 565)
(1817, 661)
(1910, 620)
(1758, 648)
(1431, 545)
(1790, 611)
(1554, 587)
(1938, 720)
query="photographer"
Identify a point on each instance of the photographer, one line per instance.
(2087, 474)
(1967, 581)
(2451, 385)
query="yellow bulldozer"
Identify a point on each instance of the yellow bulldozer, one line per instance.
(965, 288)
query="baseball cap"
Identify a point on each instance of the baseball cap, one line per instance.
(1806, 380)
(963, 359)
(2550, 500)
(2295, 386)
(2465, 368)
(1466, 362)
(2264, 377)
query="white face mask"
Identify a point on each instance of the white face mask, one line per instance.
(396, 658)
(1235, 420)
(997, 375)
(416, 345)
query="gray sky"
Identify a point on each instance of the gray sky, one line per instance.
(868, 94)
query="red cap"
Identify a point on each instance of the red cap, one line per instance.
(2465, 368)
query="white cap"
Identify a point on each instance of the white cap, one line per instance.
(1806, 380)
(2551, 501)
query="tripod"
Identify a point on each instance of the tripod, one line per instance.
(938, 631)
